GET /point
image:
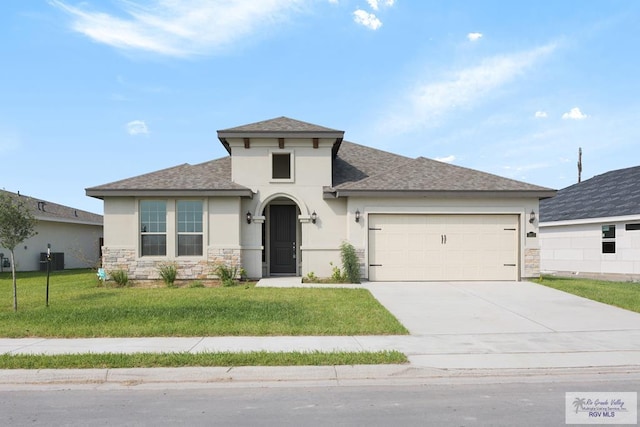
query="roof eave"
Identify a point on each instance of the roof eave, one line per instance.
(539, 194)
(102, 193)
(222, 135)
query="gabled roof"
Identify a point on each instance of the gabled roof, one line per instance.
(44, 210)
(209, 178)
(614, 193)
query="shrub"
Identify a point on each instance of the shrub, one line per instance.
(336, 274)
(168, 272)
(121, 277)
(228, 275)
(350, 263)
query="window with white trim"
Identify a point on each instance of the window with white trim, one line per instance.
(189, 227)
(282, 166)
(608, 239)
(153, 228)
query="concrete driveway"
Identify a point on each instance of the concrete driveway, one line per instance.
(509, 324)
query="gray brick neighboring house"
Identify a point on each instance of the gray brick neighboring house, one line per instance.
(74, 237)
(291, 192)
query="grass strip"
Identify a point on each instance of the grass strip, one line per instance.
(166, 360)
(620, 294)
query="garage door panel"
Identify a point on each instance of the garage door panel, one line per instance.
(443, 247)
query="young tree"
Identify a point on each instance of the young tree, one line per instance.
(17, 224)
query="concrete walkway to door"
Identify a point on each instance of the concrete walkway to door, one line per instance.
(508, 325)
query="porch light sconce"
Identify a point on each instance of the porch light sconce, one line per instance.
(314, 217)
(249, 217)
(532, 217)
(357, 215)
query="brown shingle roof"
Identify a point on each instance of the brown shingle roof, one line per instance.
(356, 169)
(279, 125)
(356, 162)
(48, 211)
(214, 175)
(424, 174)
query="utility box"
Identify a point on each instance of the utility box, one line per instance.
(57, 261)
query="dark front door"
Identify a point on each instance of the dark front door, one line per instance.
(282, 238)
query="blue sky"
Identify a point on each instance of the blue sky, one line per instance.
(96, 91)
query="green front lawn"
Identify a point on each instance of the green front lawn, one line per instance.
(80, 308)
(621, 294)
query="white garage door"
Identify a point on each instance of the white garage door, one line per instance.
(443, 247)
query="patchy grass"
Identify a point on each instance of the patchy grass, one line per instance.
(158, 360)
(621, 294)
(79, 307)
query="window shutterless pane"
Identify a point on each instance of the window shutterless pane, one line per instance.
(632, 227)
(154, 245)
(608, 247)
(608, 231)
(189, 216)
(189, 244)
(281, 166)
(153, 216)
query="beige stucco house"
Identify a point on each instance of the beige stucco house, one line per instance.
(73, 236)
(290, 193)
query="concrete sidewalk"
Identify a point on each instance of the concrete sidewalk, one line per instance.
(455, 327)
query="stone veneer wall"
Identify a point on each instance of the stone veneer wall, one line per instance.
(147, 269)
(531, 262)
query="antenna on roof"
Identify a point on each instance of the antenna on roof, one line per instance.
(579, 164)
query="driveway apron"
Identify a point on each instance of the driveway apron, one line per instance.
(489, 324)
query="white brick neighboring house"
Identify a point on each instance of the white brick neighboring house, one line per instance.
(291, 192)
(593, 228)
(74, 233)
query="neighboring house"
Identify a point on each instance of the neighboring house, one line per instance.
(593, 228)
(290, 193)
(74, 237)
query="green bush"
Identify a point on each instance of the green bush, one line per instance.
(168, 272)
(350, 263)
(121, 277)
(227, 274)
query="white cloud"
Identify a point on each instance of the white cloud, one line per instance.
(447, 159)
(424, 103)
(375, 4)
(541, 115)
(474, 36)
(574, 114)
(367, 19)
(137, 127)
(178, 28)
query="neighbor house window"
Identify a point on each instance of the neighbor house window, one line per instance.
(281, 165)
(153, 227)
(608, 239)
(189, 227)
(632, 227)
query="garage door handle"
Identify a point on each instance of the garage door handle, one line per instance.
(375, 265)
(443, 239)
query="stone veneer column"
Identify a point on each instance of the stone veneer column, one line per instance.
(531, 262)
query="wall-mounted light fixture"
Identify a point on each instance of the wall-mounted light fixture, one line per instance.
(532, 217)
(357, 215)
(249, 217)
(314, 217)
